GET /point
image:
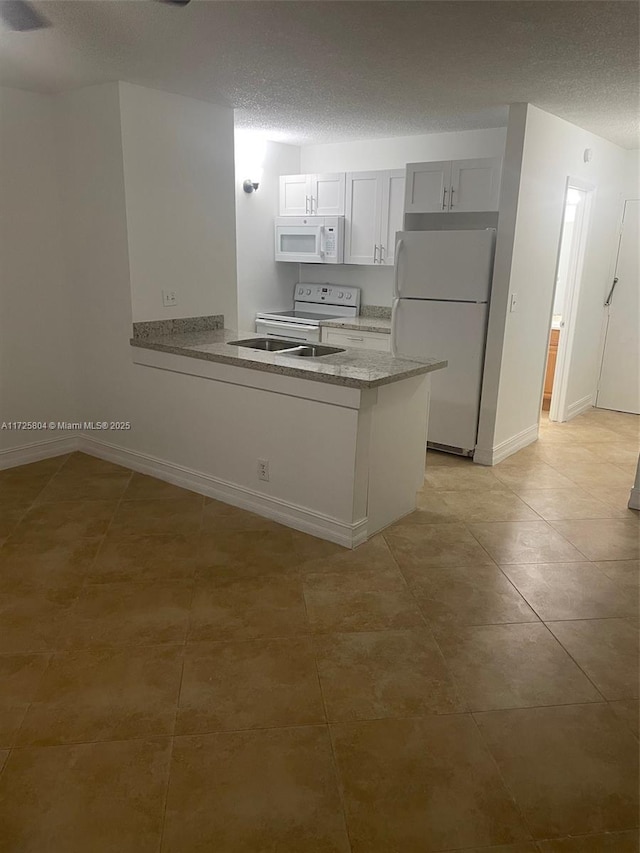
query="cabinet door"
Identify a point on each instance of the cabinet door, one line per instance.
(427, 187)
(327, 192)
(362, 227)
(392, 214)
(475, 185)
(295, 195)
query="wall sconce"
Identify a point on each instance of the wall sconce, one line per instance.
(250, 186)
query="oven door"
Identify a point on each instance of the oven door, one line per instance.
(288, 331)
(300, 242)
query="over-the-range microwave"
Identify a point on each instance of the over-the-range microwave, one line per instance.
(310, 239)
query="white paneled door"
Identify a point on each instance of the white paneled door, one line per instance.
(619, 386)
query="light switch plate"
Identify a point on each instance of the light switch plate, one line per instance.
(514, 302)
(169, 298)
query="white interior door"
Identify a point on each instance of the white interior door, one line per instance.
(619, 386)
(327, 192)
(392, 214)
(454, 331)
(364, 203)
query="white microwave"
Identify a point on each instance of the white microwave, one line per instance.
(310, 239)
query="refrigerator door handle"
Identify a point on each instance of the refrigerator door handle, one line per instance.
(394, 309)
(396, 279)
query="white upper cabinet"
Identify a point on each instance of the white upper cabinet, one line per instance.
(428, 187)
(327, 194)
(374, 202)
(312, 195)
(458, 186)
(363, 212)
(294, 195)
(392, 214)
(475, 185)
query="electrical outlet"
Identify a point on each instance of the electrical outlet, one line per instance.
(169, 298)
(263, 469)
(514, 302)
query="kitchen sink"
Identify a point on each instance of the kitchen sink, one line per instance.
(266, 344)
(287, 347)
(314, 351)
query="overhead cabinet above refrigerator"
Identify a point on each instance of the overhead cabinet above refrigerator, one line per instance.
(453, 186)
(440, 309)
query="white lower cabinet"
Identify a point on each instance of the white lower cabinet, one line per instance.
(356, 339)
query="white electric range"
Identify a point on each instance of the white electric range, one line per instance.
(313, 303)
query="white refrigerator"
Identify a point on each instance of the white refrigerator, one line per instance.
(440, 309)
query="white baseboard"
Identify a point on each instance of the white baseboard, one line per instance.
(291, 515)
(506, 448)
(579, 407)
(634, 499)
(38, 450)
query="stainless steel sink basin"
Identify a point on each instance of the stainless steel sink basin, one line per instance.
(314, 351)
(287, 347)
(266, 344)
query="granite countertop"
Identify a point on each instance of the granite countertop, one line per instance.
(353, 368)
(382, 325)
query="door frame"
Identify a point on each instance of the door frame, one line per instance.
(558, 410)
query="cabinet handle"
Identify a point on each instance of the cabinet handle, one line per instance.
(451, 199)
(444, 198)
(354, 339)
(311, 200)
(375, 254)
(306, 204)
(381, 251)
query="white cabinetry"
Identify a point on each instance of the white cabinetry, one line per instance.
(453, 186)
(356, 339)
(374, 209)
(428, 186)
(312, 195)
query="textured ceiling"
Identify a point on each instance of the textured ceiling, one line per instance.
(332, 71)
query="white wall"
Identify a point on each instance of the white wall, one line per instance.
(36, 336)
(178, 172)
(263, 284)
(395, 153)
(172, 417)
(531, 211)
(374, 154)
(632, 174)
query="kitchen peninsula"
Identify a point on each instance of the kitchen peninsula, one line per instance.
(331, 445)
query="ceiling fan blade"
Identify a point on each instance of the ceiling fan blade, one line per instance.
(20, 16)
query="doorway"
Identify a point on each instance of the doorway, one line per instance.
(619, 381)
(573, 240)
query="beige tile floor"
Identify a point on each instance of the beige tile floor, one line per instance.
(177, 675)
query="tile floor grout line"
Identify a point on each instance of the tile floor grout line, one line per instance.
(318, 725)
(334, 759)
(507, 787)
(586, 674)
(170, 757)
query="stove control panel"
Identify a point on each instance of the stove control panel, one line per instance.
(329, 294)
